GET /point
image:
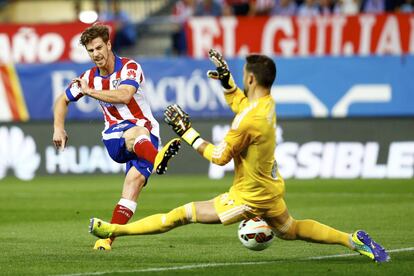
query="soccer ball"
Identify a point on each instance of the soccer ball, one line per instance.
(255, 234)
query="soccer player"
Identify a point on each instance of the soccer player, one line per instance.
(131, 133)
(258, 189)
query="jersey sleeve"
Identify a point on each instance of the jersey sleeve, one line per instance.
(236, 140)
(132, 74)
(73, 91)
(236, 100)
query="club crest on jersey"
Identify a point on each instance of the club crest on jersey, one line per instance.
(115, 83)
(131, 74)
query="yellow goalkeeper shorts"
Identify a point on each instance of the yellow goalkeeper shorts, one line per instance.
(231, 210)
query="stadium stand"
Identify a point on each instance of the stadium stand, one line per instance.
(158, 24)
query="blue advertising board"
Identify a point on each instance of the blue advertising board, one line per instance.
(305, 87)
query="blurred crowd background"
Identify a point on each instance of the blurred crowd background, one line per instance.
(156, 27)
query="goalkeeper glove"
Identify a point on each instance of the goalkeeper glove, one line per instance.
(222, 72)
(180, 122)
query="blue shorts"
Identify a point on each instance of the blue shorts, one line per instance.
(115, 145)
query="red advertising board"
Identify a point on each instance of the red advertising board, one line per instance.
(41, 43)
(364, 34)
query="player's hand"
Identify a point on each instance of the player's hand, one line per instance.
(60, 138)
(177, 118)
(83, 85)
(222, 71)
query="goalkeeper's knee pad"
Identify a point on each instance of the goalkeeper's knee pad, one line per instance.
(180, 215)
(190, 212)
(287, 231)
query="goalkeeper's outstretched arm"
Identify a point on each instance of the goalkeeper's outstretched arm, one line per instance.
(222, 71)
(233, 95)
(180, 122)
(205, 149)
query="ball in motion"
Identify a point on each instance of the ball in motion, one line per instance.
(255, 234)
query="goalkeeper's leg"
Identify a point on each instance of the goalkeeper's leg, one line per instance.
(154, 224)
(201, 212)
(288, 228)
(159, 223)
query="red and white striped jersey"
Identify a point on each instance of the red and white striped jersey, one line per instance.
(127, 71)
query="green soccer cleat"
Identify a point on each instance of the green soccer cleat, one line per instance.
(368, 247)
(165, 154)
(103, 244)
(100, 228)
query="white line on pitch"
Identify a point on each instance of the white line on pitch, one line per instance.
(183, 267)
(354, 254)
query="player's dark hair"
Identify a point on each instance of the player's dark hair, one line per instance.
(94, 31)
(263, 68)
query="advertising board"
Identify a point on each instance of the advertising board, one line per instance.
(316, 148)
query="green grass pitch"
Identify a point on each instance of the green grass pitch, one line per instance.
(44, 228)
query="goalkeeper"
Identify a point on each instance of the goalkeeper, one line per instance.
(258, 189)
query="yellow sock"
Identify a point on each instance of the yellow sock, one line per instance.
(314, 231)
(159, 223)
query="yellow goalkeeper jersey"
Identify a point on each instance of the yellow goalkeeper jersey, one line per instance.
(251, 143)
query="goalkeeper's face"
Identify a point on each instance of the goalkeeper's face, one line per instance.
(248, 80)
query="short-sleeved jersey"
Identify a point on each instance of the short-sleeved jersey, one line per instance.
(251, 143)
(128, 72)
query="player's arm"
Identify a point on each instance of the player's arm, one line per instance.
(233, 95)
(59, 114)
(72, 94)
(221, 154)
(122, 95)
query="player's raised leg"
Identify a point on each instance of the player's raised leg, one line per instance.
(165, 154)
(138, 140)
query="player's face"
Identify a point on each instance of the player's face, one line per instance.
(99, 51)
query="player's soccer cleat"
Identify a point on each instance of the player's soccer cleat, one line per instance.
(368, 247)
(100, 228)
(165, 154)
(103, 244)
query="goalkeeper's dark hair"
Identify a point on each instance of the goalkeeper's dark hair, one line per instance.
(263, 68)
(94, 31)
